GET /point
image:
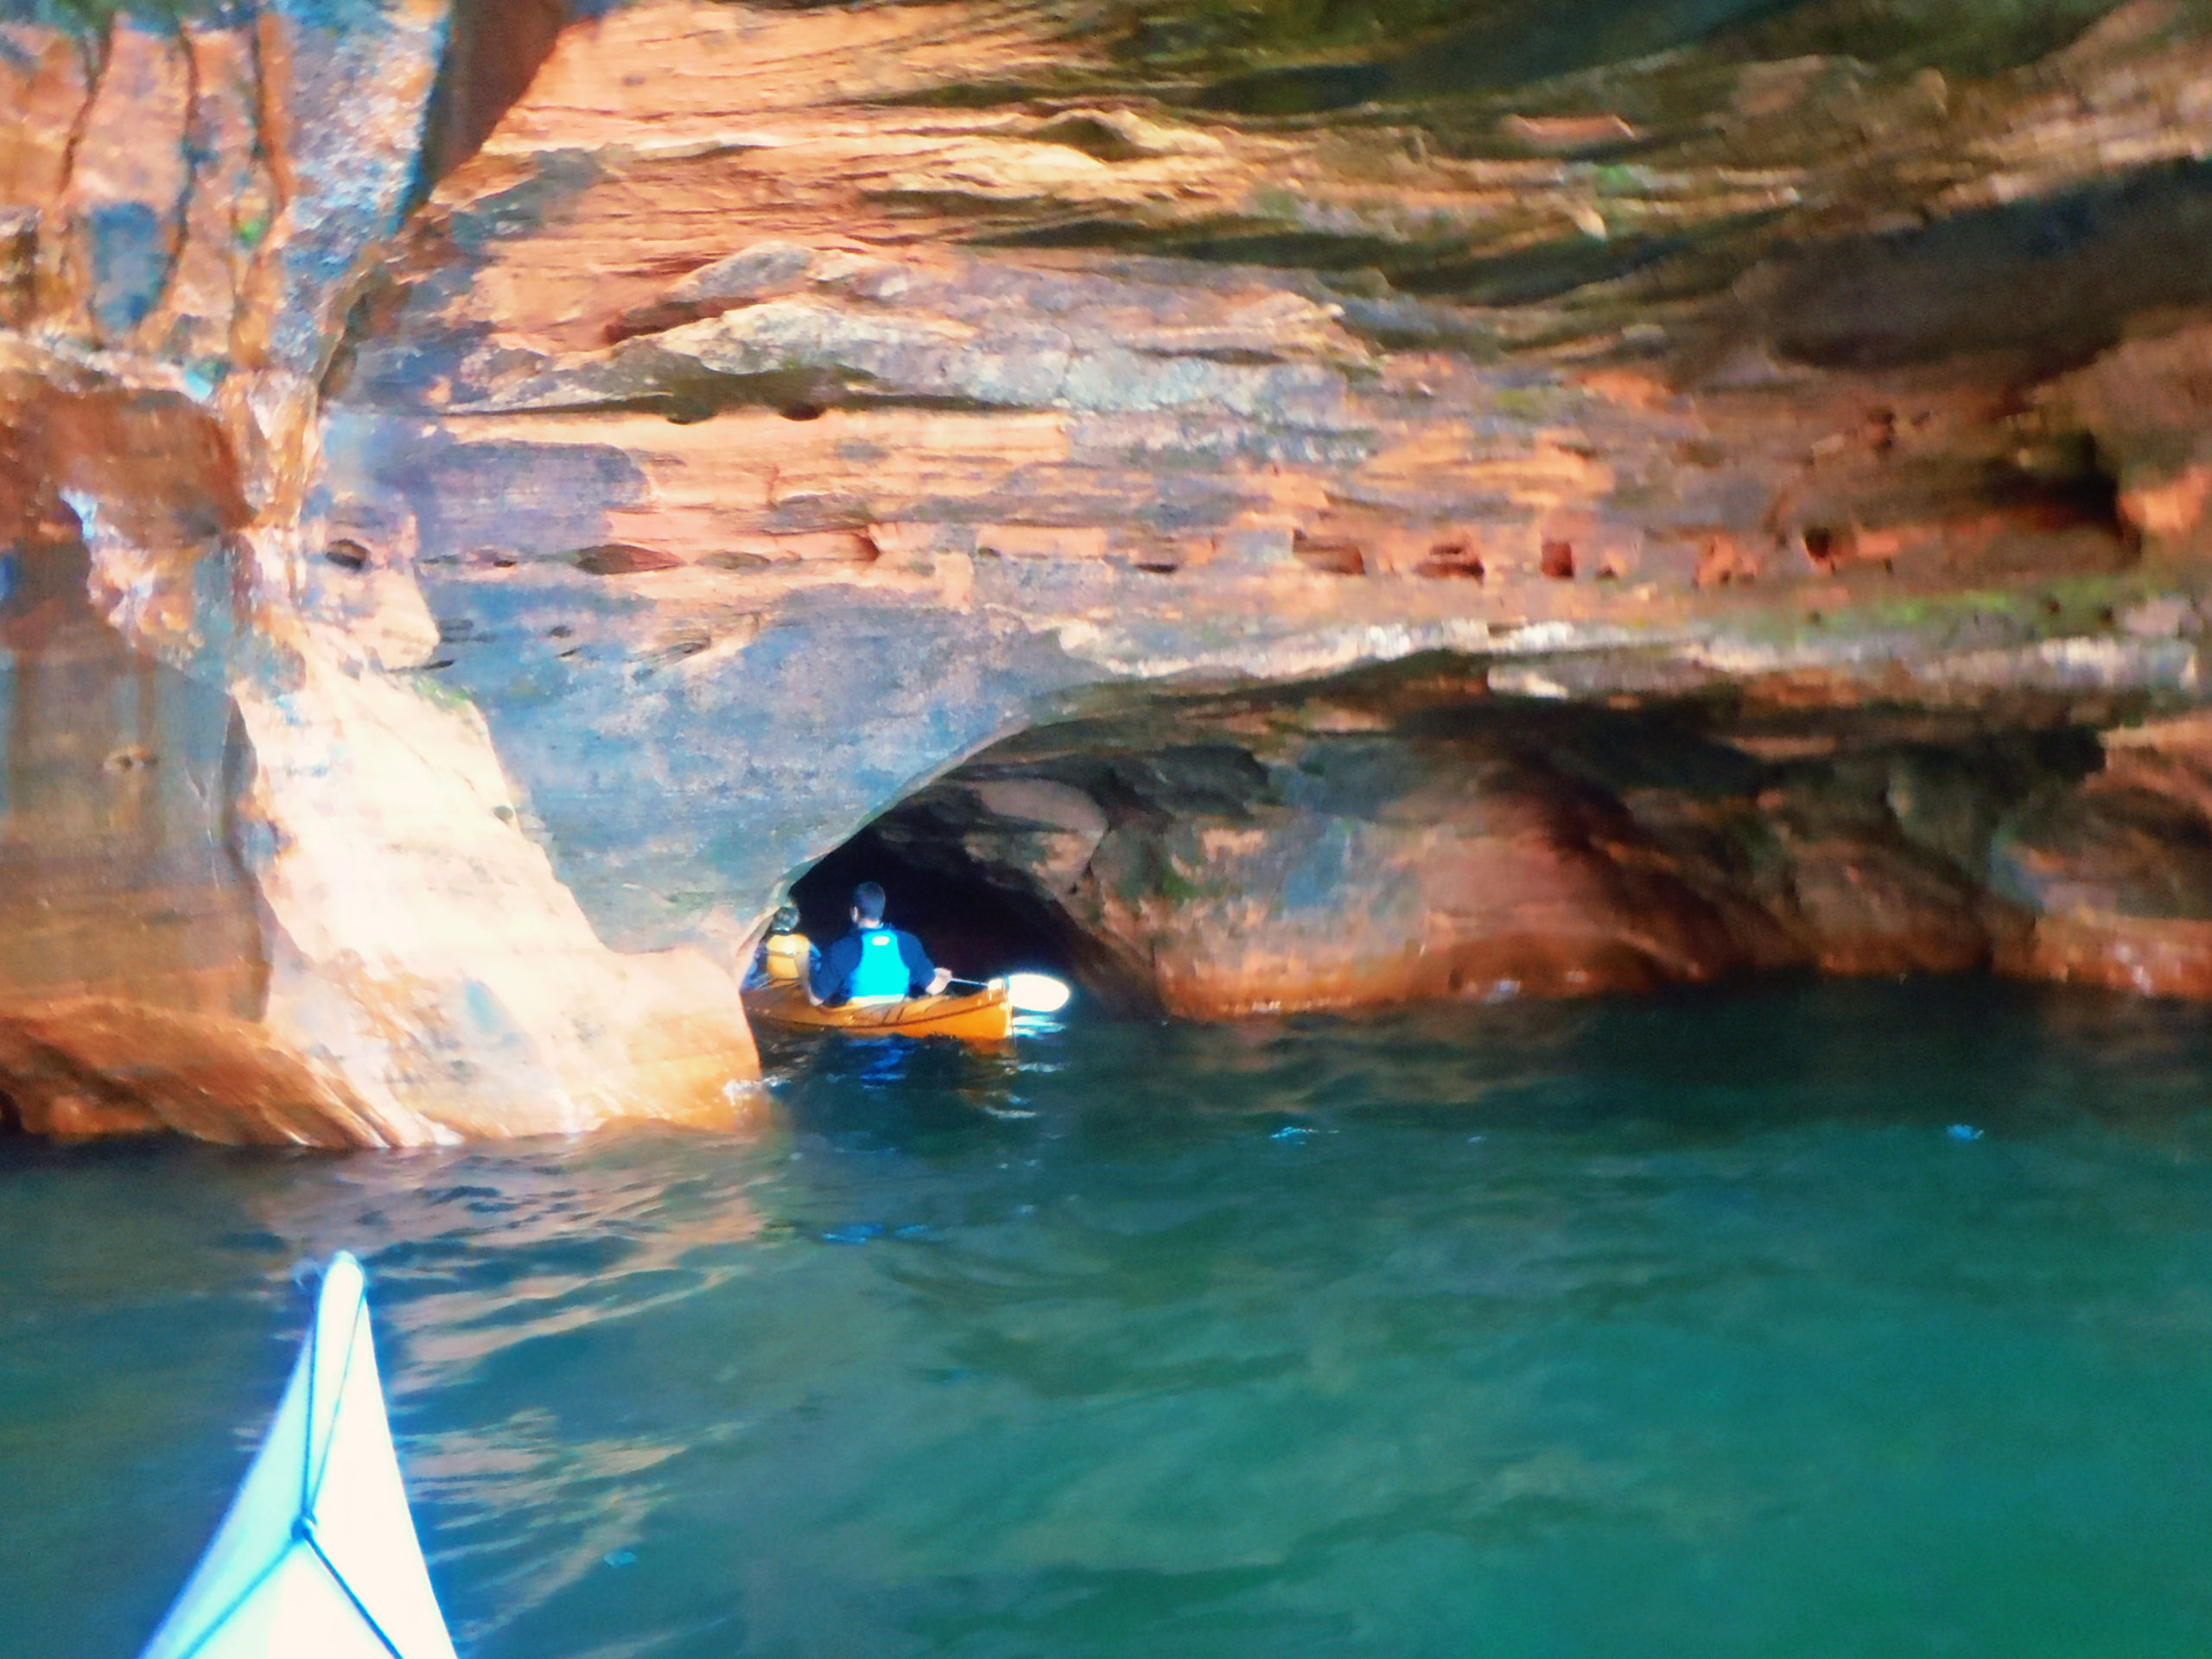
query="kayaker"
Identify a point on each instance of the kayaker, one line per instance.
(874, 963)
(785, 956)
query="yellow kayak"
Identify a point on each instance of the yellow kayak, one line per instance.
(984, 1016)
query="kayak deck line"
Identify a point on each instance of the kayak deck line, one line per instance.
(302, 1534)
(305, 1527)
(317, 1554)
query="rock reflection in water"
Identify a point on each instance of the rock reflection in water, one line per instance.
(1633, 1328)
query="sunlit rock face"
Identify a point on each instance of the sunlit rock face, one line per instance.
(259, 884)
(1326, 507)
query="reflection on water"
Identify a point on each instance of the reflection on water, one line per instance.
(1632, 1328)
(581, 1240)
(891, 1092)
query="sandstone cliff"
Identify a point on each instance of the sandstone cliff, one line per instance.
(1432, 501)
(255, 882)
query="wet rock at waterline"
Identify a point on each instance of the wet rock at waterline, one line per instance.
(1310, 522)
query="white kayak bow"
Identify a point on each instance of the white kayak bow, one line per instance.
(317, 1558)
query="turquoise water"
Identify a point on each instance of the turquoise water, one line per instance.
(1680, 1327)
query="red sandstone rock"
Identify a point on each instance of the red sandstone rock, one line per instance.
(1502, 895)
(86, 1066)
(687, 394)
(1871, 909)
(195, 208)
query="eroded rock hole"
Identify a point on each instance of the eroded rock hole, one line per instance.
(622, 559)
(1331, 558)
(2062, 482)
(1452, 559)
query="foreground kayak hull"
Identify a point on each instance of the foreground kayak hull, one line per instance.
(317, 1558)
(984, 1016)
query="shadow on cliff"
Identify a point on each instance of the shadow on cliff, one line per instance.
(493, 50)
(1415, 835)
(2053, 278)
(1469, 49)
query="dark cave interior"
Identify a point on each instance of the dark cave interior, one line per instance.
(969, 923)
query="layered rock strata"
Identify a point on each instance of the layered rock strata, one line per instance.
(1409, 834)
(258, 885)
(1323, 522)
(1809, 379)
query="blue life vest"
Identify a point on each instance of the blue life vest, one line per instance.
(882, 971)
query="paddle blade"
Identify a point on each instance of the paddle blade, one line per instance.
(1036, 993)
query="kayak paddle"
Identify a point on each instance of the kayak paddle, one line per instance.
(1037, 993)
(1027, 993)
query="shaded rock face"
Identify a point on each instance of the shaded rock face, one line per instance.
(1308, 508)
(120, 873)
(1401, 836)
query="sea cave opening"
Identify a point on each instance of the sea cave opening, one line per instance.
(971, 918)
(1427, 834)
